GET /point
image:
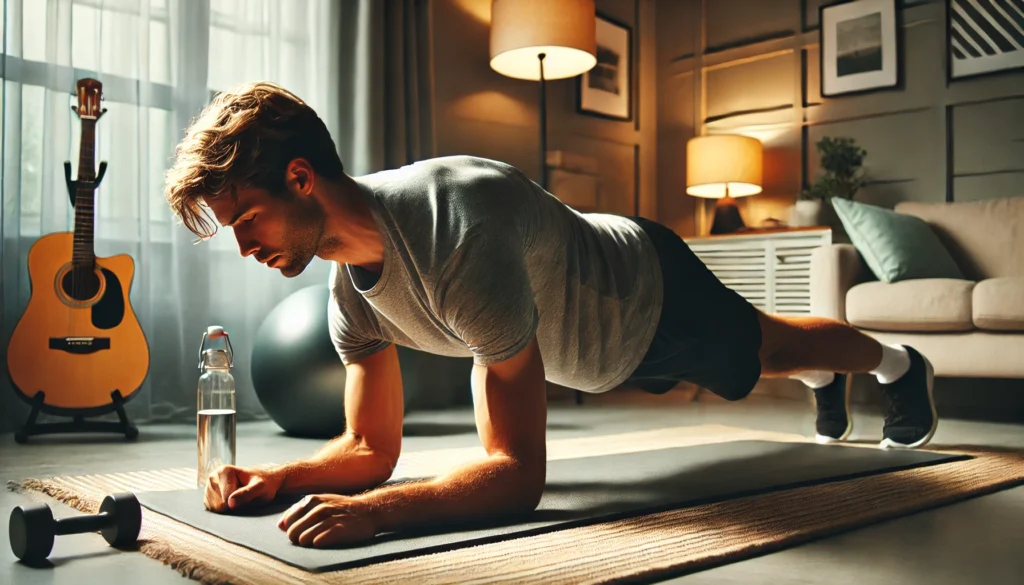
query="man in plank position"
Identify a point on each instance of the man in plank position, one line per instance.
(464, 256)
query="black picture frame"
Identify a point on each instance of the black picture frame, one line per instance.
(889, 54)
(967, 32)
(584, 87)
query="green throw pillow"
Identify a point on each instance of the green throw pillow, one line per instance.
(896, 246)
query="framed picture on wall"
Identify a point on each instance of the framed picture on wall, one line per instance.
(606, 90)
(984, 37)
(860, 47)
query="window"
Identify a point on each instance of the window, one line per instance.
(159, 62)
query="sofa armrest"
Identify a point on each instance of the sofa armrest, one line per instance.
(835, 269)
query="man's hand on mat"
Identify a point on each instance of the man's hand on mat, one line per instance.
(326, 520)
(231, 488)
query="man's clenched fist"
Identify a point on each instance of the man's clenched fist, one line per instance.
(231, 487)
(327, 520)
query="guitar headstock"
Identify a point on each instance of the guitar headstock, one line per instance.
(90, 94)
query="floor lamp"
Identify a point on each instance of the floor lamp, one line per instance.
(541, 40)
(724, 167)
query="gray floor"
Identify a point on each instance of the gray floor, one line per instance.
(978, 541)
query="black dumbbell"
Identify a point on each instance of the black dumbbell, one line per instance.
(33, 528)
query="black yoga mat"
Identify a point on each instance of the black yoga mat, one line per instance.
(579, 491)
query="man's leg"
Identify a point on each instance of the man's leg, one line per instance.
(820, 352)
(794, 345)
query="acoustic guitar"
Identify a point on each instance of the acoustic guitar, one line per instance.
(78, 349)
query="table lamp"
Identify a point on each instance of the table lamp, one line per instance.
(724, 167)
(542, 40)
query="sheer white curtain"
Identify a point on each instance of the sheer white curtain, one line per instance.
(160, 61)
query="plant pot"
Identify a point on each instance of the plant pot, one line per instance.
(805, 213)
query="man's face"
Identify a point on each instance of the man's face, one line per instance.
(281, 231)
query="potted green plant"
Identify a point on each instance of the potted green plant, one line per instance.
(841, 175)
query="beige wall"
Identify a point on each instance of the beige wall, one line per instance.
(752, 68)
(480, 112)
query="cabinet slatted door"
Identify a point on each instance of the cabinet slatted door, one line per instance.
(772, 270)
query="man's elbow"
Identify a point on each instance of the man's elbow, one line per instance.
(531, 499)
(380, 463)
(530, 487)
(384, 467)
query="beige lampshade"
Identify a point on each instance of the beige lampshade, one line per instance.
(714, 162)
(564, 30)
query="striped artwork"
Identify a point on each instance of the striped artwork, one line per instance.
(985, 36)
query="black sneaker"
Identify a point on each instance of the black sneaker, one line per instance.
(910, 417)
(834, 422)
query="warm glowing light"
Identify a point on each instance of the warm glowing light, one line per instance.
(559, 62)
(565, 31)
(766, 134)
(715, 163)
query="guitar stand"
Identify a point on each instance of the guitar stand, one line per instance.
(78, 423)
(74, 186)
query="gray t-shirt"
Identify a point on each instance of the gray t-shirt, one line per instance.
(478, 259)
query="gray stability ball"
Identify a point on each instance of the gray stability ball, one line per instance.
(300, 379)
(296, 372)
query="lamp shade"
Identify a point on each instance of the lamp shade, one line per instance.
(714, 163)
(564, 30)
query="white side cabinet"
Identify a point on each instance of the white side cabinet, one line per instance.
(771, 269)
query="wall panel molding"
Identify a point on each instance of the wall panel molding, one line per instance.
(989, 186)
(870, 116)
(733, 23)
(741, 113)
(764, 121)
(765, 38)
(989, 137)
(949, 138)
(913, 16)
(907, 126)
(762, 83)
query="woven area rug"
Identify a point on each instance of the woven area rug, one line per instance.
(633, 549)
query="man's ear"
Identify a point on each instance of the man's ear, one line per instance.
(299, 177)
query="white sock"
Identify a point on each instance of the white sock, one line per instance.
(895, 363)
(815, 378)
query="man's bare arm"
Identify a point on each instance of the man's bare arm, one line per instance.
(511, 415)
(365, 455)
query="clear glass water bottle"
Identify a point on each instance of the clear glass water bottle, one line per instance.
(215, 417)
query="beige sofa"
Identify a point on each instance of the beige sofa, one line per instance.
(966, 328)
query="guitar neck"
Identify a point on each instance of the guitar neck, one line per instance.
(84, 250)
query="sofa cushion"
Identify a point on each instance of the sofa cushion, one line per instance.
(895, 246)
(986, 238)
(926, 304)
(999, 304)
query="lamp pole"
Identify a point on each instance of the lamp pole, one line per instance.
(543, 125)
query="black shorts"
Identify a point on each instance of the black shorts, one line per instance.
(707, 334)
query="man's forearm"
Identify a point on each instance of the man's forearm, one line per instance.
(494, 486)
(346, 465)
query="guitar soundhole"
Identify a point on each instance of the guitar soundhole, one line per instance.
(80, 283)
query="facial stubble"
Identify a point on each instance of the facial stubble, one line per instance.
(304, 239)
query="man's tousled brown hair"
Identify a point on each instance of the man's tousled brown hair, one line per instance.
(245, 138)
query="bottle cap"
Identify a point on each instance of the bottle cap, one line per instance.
(216, 332)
